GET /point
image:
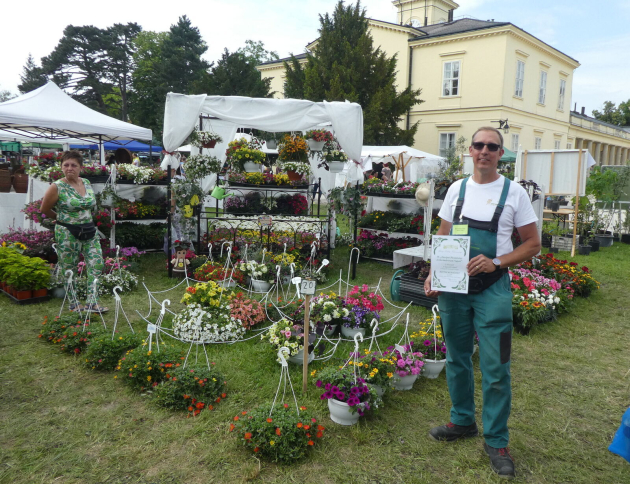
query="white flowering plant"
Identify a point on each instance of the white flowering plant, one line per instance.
(334, 155)
(260, 271)
(199, 138)
(200, 166)
(285, 334)
(139, 174)
(207, 325)
(107, 282)
(302, 168)
(328, 310)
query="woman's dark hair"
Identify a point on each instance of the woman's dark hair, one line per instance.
(72, 155)
(111, 160)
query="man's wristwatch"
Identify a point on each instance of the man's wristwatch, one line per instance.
(497, 264)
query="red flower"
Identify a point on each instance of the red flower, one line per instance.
(278, 432)
(269, 420)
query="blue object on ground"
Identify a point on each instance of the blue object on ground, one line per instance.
(621, 442)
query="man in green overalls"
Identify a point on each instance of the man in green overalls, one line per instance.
(486, 207)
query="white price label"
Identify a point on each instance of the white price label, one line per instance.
(308, 287)
(151, 328)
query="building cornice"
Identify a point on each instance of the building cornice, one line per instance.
(403, 29)
(492, 32)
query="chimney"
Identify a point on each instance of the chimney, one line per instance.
(450, 15)
(583, 108)
(575, 108)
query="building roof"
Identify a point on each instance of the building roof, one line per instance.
(458, 26)
(595, 120)
(299, 56)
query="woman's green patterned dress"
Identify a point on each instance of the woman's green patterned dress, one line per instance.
(72, 208)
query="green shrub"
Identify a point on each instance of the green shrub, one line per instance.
(104, 353)
(191, 388)
(142, 368)
(142, 236)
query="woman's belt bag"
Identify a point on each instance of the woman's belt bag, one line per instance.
(480, 283)
(80, 231)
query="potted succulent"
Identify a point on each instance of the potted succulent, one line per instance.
(348, 395)
(316, 138)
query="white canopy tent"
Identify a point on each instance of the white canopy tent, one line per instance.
(48, 112)
(418, 164)
(274, 115)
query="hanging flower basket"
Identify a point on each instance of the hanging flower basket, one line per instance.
(209, 144)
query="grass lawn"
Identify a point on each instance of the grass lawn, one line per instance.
(62, 422)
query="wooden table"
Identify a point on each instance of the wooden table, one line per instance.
(561, 215)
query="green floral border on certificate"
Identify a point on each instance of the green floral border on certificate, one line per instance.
(461, 285)
(436, 282)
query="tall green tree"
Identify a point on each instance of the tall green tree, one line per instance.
(120, 63)
(235, 74)
(6, 95)
(79, 63)
(32, 76)
(613, 114)
(346, 66)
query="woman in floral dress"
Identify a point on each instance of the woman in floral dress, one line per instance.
(72, 199)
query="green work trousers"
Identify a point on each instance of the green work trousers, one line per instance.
(489, 313)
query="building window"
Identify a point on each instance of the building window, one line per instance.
(537, 142)
(515, 141)
(563, 86)
(450, 84)
(447, 140)
(569, 146)
(520, 77)
(543, 87)
(556, 144)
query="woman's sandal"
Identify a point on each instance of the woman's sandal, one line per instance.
(95, 308)
(76, 308)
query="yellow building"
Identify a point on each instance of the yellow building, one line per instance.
(478, 72)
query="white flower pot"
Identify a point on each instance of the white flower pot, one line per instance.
(298, 358)
(340, 413)
(250, 167)
(260, 286)
(227, 283)
(336, 166)
(350, 332)
(432, 368)
(316, 145)
(107, 201)
(58, 292)
(380, 391)
(404, 382)
(272, 144)
(331, 331)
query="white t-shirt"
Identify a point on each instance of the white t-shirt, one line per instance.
(481, 201)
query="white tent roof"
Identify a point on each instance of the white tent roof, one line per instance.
(36, 138)
(51, 113)
(275, 115)
(385, 151)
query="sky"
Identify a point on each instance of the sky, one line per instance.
(598, 39)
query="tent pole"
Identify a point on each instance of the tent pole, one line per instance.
(168, 220)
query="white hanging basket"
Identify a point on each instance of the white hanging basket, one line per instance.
(340, 413)
(336, 166)
(316, 145)
(250, 167)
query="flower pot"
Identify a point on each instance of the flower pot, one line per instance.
(605, 240)
(380, 391)
(350, 332)
(272, 144)
(584, 249)
(554, 206)
(336, 166)
(315, 145)
(625, 238)
(432, 368)
(594, 245)
(250, 167)
(58, 292)
(5, 181)
(331, 331)
(340, 413)
(10, 290)
(23, 294)
(404, 382)
(20, 182)
(298, 358)
(107, 201)
(209, 144)
(226, 283)
(553, 250)
(260, 286)
(294, 175)
(40, 292)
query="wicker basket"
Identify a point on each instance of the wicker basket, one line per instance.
(20, 182)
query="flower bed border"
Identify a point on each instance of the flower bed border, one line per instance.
(30, 300)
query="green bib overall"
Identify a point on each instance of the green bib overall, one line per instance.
(489, 313)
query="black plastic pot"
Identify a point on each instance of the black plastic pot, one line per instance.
(554, 206)
(584, 249)
(553, 250)
(594, 245)
(625, 238)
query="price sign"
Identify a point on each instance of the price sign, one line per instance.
(264, 221)
(307, 287)
(151, 328)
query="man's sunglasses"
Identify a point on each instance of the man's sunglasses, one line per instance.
(491, 146)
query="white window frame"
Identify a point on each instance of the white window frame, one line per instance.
(520, 78)
(450, 82)
(542, 88)
(515, 141)
(563, 88)
(447, 140)
(556, 144)
(537, 143)
(569, 146)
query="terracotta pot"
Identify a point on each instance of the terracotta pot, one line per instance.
(20, 295)
(3, 286)
(209, 144)
(40, 292)
(10, 290)
(294, 175)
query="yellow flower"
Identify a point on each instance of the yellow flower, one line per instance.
(389, 374)
(271, 442)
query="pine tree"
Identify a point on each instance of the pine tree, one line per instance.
(235, 75)
(32, 77)
(346, 66)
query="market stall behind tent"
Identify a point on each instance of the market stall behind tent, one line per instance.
(134, 146)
